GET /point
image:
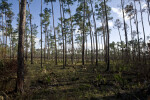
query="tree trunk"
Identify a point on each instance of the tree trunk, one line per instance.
(20, 70)
(3, 38)
(147, 1)
(13, 48)
(132, 39)
(10, 43)
(144, 57)
(72, 56)
(26, 55)
(48, 52)
(5, 55)
(54, 34)
(86, 57)
(62, 34)
(107, 26)
(65, 36)
(41, 34)
(95, 34)
(137, 29)
(45, 44)
(125, 30)
(121, 43)
(31, 36)
(83, 41)
(91, 40)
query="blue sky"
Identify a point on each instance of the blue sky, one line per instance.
(114, 4)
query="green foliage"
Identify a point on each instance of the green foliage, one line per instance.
(120, 80)
(48, 78)
(100, 80)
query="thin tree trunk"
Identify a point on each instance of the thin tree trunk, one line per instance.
(20, 71)
(26, 55)
(54, 33)
(31, 36)
(102, 46)
(91, 40)
(107, 26)
(132, 39)
(45, 43)
(104, 39)
(95, 34)
(125, 30)
(10, 43)
(144, 58)
(1, 46)
(2, 37)
(147, 1)
(121, 43)
(62, 34)
(83, 41)
(48, 52)
(6, 36)
(41, 34)
(137, 28)
(72, 56)
(86, 51)
(13, 48)
(65, 36)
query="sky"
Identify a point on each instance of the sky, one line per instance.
(35, 9)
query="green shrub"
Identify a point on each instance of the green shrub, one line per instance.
(100, 80)
(48, 78)
(120, 80)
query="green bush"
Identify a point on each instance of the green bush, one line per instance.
(48, 78)
(100, 80)
(120, 80)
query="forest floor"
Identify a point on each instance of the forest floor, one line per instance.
(76, 82)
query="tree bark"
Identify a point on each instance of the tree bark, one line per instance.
(144, 57)
(125, 30)
(31, 36)
(65, 36)
(137, 29)
(54, 34)
(83, 41)
(72, 56)
(20, 70)
(5, 55)
(62, 34)
(95, 34)
(3, 37)
(91, 40)
(26, 54)
(41, 35)
(107, 26)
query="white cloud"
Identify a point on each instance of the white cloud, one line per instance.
(119, 13)
(144, 6)
(37, 44)
(111, 24)
(77, 31)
